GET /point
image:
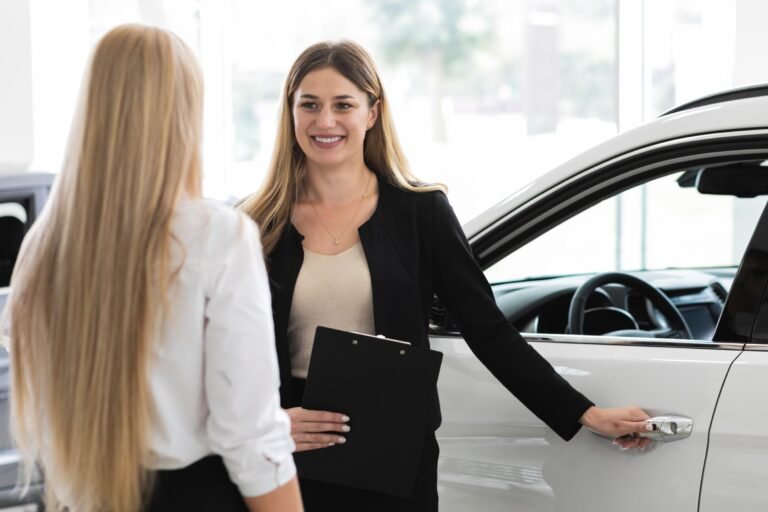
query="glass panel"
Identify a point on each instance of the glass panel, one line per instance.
(692, 243)
(180, 16)
(483, 91)
(680, 228)
(690, 50)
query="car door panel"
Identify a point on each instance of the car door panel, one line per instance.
(737, 465)
(495, 455)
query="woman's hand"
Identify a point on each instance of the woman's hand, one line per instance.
(314, 429)
(621, 423)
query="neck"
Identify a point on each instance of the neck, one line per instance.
(338, 185)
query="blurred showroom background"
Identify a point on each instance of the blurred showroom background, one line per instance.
(487, 94)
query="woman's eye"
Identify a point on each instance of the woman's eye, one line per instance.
(309, 105)
(343, 106)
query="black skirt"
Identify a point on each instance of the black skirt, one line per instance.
(202, 486)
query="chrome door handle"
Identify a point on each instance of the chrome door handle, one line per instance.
(668, 428)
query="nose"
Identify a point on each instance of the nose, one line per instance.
(326, 119)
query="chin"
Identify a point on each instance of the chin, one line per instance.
(326, 159)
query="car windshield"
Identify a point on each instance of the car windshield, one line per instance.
(658, 225)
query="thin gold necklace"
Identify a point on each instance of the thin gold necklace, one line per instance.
(337, 239)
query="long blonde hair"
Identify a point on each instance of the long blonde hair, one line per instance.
(271, 206)
(93, 276)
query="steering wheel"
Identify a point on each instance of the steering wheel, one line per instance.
(678, 327)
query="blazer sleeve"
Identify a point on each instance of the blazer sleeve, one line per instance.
(462, 287)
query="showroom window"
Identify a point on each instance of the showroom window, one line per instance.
(486, 94)
(483, 92)
(689, 50)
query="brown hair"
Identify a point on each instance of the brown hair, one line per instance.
(271, 206)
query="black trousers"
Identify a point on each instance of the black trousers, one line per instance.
(325, 497)
(203, 486)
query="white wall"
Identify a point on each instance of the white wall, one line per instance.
(16, 86)
(44, 46)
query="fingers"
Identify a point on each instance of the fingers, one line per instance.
(620, 421)
(309, 426)
(312, 430)
(306, 442)
(635, 414)
(308, 415)
(645, 442)
(311, 446)
(623, 428)
(627, 442)
(639, 426)
(630, 442)
(304, 420)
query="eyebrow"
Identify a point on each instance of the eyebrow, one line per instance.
(339, 97)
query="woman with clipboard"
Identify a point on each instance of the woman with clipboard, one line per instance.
(353, 241)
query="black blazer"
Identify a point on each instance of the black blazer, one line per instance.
(415, 248)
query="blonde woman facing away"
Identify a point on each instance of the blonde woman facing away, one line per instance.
(144, 374)
(355, 242)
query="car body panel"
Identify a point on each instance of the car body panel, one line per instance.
(511, 224)
(495, 455)
(736, 471)
(740, 115)
(737, 465)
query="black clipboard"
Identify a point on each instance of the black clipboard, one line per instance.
(385, 386)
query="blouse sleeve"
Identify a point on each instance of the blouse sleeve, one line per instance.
(246, 426)
(462, 287)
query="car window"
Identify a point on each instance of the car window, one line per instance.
(657, 225)
(685, 243)
(13, 225)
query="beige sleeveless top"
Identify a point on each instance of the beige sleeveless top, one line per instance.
(332, 291)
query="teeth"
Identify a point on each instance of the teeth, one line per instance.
(328, 140)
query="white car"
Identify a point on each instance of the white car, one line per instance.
(678, 206)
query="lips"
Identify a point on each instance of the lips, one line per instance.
(327, 141)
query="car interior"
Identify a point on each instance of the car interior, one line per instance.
(620, 269)
(12, 229)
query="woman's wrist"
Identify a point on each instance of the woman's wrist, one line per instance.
(590, 418)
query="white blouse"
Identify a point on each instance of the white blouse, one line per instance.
(214, 378)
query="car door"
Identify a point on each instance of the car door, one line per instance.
(495, 455)
(737, 462)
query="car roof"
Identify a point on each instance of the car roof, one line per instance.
(744, 108)
(750, 91)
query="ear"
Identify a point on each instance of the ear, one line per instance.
(373, 114)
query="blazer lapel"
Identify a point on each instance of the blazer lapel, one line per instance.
(395, 293)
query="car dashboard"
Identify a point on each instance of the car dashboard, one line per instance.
(542, 305)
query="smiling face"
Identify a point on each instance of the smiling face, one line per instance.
(330, 117)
